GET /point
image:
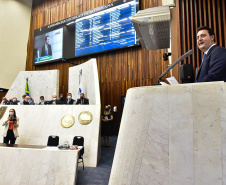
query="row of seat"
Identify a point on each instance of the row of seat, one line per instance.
(77, 140)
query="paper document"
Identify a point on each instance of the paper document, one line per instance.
(163, 83)
(172, 80)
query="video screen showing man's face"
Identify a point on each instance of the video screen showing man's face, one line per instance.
(48, 46)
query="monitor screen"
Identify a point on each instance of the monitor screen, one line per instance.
(48, 46)
(108, 29)
(102, 29)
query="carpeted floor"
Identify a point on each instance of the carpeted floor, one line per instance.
(101, 174)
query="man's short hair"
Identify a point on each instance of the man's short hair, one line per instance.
(210, 30)
(41, 97)
(24, 96)
(82, 94)
(46, 37)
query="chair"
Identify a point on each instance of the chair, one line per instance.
(53, 141)
(79, 140)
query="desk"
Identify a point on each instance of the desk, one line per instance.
(30, 164)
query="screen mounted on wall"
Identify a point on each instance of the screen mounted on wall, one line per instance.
(48, 46)
(102, 29)
(108, 29)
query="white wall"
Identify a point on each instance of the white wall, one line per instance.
(41, 83)
(90, 81)
(14, 32)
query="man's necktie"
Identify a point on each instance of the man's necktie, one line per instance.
(203, 58)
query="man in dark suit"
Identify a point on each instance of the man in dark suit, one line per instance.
(4, 101)
(46, 49)
(69, 100)
(213, 66)
(82, 100)
(42, 100)
(15, 101)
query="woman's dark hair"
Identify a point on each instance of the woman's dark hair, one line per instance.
(14, 112)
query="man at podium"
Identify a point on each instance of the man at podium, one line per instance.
(213, 66)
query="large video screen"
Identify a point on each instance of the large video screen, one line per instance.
(107, 29)
(104, 28)
(48, 46)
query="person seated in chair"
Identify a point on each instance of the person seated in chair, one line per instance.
(69, 100)
(15, 101)
(28, 101)
(23, 99)
(4, 101)
(82, 100)
(61, 98)
(42, 100)
(54, 100)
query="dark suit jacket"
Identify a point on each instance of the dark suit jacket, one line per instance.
(6, 102)
(86, 101)
(44, 51)
(213, 67)
(70, 102)
(57, 102)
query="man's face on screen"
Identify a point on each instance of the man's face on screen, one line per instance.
(204, 40)
(47, 40)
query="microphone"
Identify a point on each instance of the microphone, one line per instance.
(185, 55)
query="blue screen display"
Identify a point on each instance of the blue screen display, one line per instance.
(106, 30)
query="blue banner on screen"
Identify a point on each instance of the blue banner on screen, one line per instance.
(48, 46)
(106, 30)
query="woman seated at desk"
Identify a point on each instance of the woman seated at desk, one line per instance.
(11, 124)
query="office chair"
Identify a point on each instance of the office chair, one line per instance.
(53, 141)
(79, 140)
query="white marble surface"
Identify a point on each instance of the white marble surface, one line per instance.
(37, 122)
(172, 135)
(38, 166)
(90, 81)
(41, 83)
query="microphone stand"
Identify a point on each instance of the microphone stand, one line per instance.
(190, 52)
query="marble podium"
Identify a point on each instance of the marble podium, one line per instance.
(172, 135)
(37, 122)
(38, 166)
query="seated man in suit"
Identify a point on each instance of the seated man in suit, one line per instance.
(15, 101)
(4, 101)
(46, 49)
(28, 101)
(213, 66)
(42, 100)
(61, 98)
(54, 100)
(69, 100)
(23, 99)
(82, 100)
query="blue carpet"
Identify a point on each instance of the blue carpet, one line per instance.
(101, 174)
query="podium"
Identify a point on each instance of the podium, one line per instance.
(172, 135)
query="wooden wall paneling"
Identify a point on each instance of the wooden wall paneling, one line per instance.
(188, 36)
(224, 21)
(196, 51)
(209, 14)
(204, 12)
(220, 26)
(175, 47)
(214, 18)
